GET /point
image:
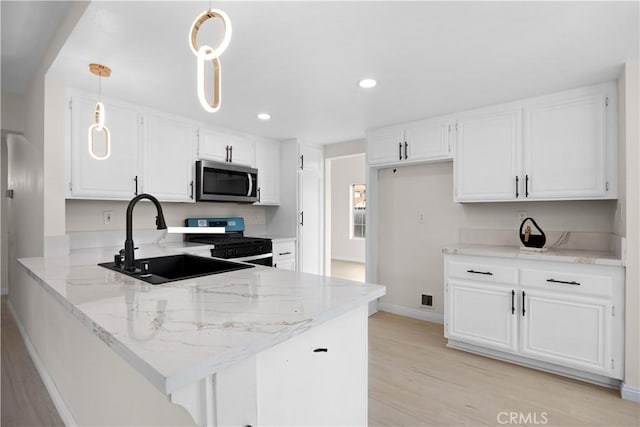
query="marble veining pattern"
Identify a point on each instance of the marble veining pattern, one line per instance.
(179, 332)
(575, 256)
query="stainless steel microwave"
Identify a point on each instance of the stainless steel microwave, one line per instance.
(225, 182)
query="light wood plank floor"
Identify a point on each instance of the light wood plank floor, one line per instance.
(348, 270)
(415, 380)
(25, 400)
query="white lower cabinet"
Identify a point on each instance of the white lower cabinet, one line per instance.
(284, 254)
(567, 330)
(482, 314)
(318, 377)
(563, 317)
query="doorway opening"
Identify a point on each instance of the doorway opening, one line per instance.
(345, 213)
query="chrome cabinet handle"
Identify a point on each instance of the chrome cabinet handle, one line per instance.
(231, 154)
(405, 150)
(285, 253)
(513, 302)
(136, 181)
(226, 159)
(399, 150)
(517, 185)
(526, 186)
(191, 184)
(523, 310)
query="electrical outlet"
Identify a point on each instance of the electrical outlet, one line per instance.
(521, 216)
(421, 217)
(106, 217)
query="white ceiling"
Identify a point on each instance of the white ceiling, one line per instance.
(301, 61)
(27, 28)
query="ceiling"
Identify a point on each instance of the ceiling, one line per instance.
(301, 61)
(27, 29)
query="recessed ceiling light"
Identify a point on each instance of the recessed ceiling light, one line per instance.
(367, 83)
(264, 116)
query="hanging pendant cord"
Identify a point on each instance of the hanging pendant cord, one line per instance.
(210, 1)
(99, 88)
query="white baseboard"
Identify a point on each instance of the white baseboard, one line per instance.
(58, 401)
(630, 392)
(411, 312)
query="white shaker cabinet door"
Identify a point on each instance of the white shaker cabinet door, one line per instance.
(428, 139)
(487, 160)
(482, 314)
(242, 151)
(564, 148)
(112, 178)
(213, 145)
(385, 145)
(168, 159)
(567, 330)
(268, 165)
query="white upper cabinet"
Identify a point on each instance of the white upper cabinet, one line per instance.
(428, 139)
(564, 147)
(168, 158)
(410, 143)
(385, 145)
(487, 160)
(116, 177)
(224, 147)
(268, 165)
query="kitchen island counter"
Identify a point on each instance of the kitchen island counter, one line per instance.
(182, 332)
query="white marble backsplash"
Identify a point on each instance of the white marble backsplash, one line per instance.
(114, 238)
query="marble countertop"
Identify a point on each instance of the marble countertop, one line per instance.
(273, 237)
(560, 255)
(179, 332)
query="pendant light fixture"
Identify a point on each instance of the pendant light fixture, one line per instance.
(207, 53)
(99, 126)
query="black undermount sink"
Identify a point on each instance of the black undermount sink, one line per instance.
(177, 267)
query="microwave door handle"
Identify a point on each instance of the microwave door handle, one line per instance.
(250, 184)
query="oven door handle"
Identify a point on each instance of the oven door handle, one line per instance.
(250, 258)
(250, 184)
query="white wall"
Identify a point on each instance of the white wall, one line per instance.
(631, 140)
(345, 171)
(12, 112)
(12, 116)
(55, 107)
(87, 215)
(410, 258)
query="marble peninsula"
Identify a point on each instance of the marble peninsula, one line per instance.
(249, 347)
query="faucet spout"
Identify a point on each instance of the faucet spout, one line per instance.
(129, 257)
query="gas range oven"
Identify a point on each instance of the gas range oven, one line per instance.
(231, 244)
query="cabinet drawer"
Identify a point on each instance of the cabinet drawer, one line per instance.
(482, 272)
(568, 281)
(283, 250)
